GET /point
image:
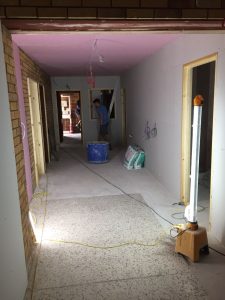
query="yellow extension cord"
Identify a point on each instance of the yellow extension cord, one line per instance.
(130, 243)
(41, 194)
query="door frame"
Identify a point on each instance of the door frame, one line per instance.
(58, 92)
(124, 116)
(37, 130)
(186, 124)
(160, 25)
(45, 120)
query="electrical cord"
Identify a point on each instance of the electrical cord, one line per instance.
(45, 193)
(177, 216)
(202, 208)
(129, 243)
(219, 252)
(42, 193)
(130, 196)
(178, 234)
(179, 203)
(117, 187)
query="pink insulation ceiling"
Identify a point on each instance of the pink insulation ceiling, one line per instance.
(109, 53)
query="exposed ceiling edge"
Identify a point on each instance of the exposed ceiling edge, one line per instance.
(18, 25)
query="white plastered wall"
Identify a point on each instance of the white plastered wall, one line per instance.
(13, 276)
(89, 126)
(154, 94)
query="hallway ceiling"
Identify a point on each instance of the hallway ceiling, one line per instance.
(109, 53)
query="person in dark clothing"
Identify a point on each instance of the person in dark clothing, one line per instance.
(103, 121)
(78, 112)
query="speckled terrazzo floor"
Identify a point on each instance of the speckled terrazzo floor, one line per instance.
(83, 207)
(70, 271)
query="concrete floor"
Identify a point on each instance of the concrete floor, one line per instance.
(81, 206)
(75, 137)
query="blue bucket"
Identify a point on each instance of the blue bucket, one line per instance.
(98, 152)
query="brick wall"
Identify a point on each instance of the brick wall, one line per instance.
(28, 236)
(108, 9)
(31, 70)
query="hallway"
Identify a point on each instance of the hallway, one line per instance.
(82, 212)
(74, 230)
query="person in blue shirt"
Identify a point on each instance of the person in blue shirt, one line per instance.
(103, 121)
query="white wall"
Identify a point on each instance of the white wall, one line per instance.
(13, 277)
(154, 93)
(89, 126)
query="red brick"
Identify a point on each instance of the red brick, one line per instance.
(36, 2)
(111, 13)
(97, 3)
(167, 13)
(82, 13)
(154, 3)
(125, 3)
(208, 3)
(52, 12)
(194, 13)
(21, 12)
(9, 2)
(181, 3)
(140, 13)
(216, 14)
(67, 3)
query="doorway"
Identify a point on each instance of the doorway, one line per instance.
(37, 130)
(203, 83)
(44, 123)
(69, 116)
(124, 117)
(199, 78)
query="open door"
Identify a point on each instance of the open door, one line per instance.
(37, 131)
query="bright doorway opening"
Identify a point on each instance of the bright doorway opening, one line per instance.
(69, 116)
